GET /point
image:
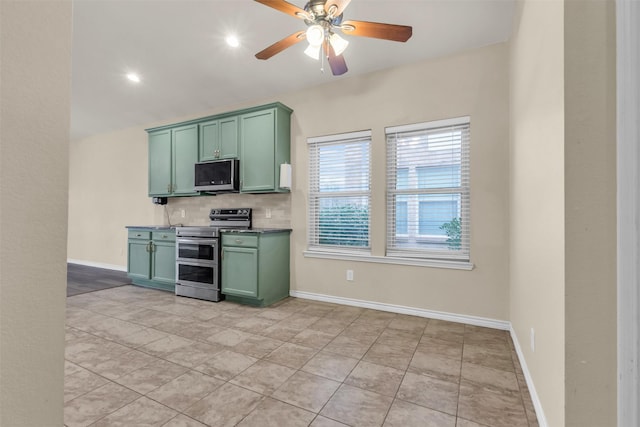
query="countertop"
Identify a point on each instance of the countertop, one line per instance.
(153, 227)
(222, 230)
(256, 230)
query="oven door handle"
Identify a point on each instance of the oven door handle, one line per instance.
(205, 264)
(210, 242)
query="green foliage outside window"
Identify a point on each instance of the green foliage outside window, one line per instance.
(346, 225)
(453, 230)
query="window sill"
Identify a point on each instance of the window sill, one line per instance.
(456, 265)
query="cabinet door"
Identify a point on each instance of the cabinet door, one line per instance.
(209, 141)
(185, 155)
(240, 271)
(139, 259)
(228, 138)
(163, 264)
(160, 163)
(257, 148)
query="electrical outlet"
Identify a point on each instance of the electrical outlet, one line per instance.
(267, 213)
(350, 275)
(182, 213)
(532, 337)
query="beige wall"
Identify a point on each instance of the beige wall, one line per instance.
(590, 213)
(107, 190)
(473, 83)
(562, 206)
(536, 197)
(35, 67)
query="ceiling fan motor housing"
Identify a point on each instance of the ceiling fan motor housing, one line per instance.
(318, 15)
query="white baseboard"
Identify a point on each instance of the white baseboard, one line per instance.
(542, 420)
(97, 264)
(451, 317)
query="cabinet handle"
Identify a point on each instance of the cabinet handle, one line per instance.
(138, 235)
(152, 247)
(148, 247)
(168, 188)
(238, 241)
(164, 236)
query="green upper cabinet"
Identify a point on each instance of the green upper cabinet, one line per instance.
(160, 163)
(257, 171)
(259, 137)
(265, 141)
(219, 139)
(185, 155)
(172, 154)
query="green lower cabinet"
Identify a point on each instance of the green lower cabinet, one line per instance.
(163, 263)
(139, 262)
(152, 258)
(240, 271)
(255, 267)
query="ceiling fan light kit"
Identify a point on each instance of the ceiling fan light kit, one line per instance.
(323, 18)
(338, 43)
(313, 51)
(315, 35)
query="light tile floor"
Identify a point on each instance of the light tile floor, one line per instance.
(137, 357)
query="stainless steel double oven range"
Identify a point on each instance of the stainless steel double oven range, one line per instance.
(198, 254)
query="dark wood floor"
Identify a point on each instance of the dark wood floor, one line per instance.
(82, 279)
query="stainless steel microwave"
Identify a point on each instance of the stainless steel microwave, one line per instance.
(217, 176)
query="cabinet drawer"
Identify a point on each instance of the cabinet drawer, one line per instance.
(166, 236)
(240, 239)
(139, 234)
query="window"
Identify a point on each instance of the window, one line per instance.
(428, 190)
(339, 192)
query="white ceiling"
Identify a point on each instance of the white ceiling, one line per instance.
(178, 48)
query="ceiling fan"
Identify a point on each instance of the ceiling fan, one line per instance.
(323, 19)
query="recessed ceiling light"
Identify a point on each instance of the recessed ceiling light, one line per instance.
(133, 77)
(232, 41)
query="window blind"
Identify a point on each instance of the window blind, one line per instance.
(339, 192)
(428, 193)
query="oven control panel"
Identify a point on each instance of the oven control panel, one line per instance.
(230, 213)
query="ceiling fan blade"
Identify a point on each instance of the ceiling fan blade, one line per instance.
(285, 7)
(336, 62)
(281, 45)
(340, 6)
(397, 33)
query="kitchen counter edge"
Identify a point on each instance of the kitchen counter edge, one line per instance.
(152, 227)
(256, 230)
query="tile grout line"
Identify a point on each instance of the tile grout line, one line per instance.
(404, 374)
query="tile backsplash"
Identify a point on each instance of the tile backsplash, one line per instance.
(196, 209)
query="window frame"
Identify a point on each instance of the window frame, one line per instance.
(394, 250)
(315, 195)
